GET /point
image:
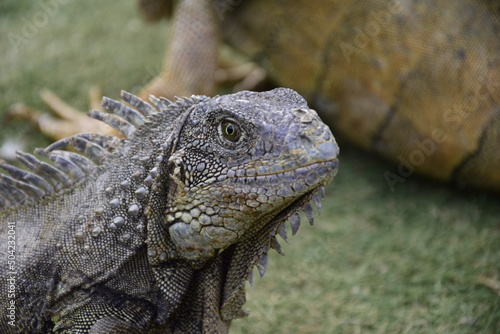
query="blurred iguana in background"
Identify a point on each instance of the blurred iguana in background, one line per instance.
(416, 81)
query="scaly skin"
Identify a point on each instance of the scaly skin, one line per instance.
(161, 231)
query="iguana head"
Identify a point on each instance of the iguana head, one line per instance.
(243, 162)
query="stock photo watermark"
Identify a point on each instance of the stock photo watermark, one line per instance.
(371, 29)
(152, 71)
(11, 273)
(417, 157)
(33, 23)
(485, 89)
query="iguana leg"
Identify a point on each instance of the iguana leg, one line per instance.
(71, 120)
(191, 61)
(191, 58)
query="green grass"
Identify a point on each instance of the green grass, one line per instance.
(376, 261)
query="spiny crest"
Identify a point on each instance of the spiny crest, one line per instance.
(261, 262)
(19, 186)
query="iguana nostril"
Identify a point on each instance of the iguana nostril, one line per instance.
(305, 115)
(307, 142)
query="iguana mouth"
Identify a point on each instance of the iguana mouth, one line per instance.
(302, 203)
(331, 164)
(291, 211)
(288, 183)
(270, 199)
(325, 153)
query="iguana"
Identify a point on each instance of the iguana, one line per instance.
(159, 231)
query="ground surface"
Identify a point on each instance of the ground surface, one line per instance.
(376, 261)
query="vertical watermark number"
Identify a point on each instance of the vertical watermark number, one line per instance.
(11, 273)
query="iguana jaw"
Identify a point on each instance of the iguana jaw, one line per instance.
(199, 243)
(290, 211)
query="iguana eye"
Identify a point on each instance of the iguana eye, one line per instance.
(230, 130)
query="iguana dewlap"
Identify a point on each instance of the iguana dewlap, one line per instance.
(159, 231)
